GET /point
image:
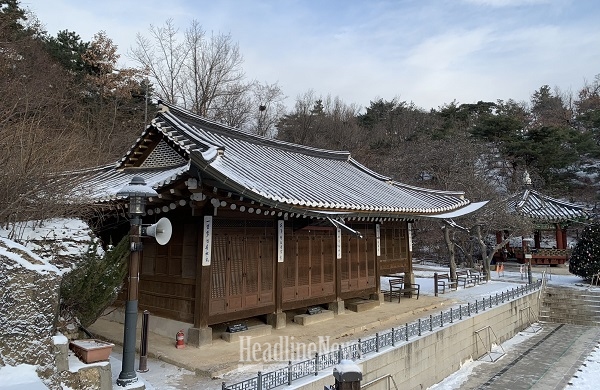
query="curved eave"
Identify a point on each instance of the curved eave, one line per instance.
(538, 207)
(102, 185)
(318, 208)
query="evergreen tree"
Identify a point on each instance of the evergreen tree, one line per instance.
(68, 49)
(585, 258)
(93, 286)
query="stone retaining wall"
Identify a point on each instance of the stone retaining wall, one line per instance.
(435, 355)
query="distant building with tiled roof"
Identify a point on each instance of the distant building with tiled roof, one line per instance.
(549, 215)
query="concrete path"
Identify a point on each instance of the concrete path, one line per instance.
(545, 361)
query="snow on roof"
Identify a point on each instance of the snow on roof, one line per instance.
(103, 184)
(535, 205)
(289, 177)
(276, 172)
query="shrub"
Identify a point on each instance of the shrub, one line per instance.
(93, 286)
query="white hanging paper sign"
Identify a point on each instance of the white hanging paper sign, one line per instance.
(280, 239)
(378, 236)
(339, 243)
(409, 237)
(207, 240)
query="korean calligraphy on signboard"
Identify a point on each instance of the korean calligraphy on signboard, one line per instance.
(207, 240)
(339, 243)
(378, 236)
(280, 239)
(410, 237)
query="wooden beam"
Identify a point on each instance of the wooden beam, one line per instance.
(279, 268)
(202, 296)
(176, 192)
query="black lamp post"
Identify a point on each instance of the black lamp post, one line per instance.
(137, 191)
(527, 253)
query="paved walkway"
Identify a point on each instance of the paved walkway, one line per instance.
(545, 361)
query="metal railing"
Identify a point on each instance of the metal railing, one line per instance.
(395, 336)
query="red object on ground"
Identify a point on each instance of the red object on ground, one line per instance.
(180, 343)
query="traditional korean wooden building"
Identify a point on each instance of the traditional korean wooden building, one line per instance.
(551, 216)
(260, 226)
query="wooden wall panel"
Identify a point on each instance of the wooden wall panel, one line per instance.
(243, 262)
(218, 301)
(174, 296)
(394, 249)
(309, 268)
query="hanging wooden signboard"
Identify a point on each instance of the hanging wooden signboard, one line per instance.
(207, 241)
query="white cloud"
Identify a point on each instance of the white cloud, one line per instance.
(507, 3)
(428, 51)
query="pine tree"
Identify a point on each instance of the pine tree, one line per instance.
(92, 287)
(585, 259)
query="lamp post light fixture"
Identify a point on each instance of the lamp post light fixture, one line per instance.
(137, 192)
(527, 253)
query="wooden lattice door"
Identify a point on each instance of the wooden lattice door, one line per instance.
(242, 272)
(309, 266)
(358, 262)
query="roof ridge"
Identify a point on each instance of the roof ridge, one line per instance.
(230, 131)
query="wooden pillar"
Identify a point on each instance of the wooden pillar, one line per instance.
(564, 238)
(277, 319)
(377, 256)
(559, 237)
(201, 309)
(536, 239)
(203, 276)
(338, 264)
(279, 268)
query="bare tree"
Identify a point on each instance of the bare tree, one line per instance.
(204, 74)
(255, 108)
(212, 71)
(323, 122)
(38, 137)
(268, 108)
(163, 57)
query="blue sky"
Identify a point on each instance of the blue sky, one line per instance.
(430, 52)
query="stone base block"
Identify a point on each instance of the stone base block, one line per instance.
(307, 319)
(337, 307)
(253, 331)
(361, 305)
(277, 320)
(377, 297)
(197, 337)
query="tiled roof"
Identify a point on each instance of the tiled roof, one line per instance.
(103, 183)
(286, 175)
(534, 205)
(290, 177)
